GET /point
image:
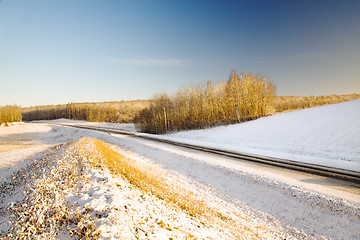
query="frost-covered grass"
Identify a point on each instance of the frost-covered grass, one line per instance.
(157, 182)
(88, 190)
(44, 212)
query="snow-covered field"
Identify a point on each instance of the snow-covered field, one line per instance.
(327, 135)
(272, 203)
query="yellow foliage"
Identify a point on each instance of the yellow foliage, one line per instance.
(9, 114)
(116, 112)
(242, 98)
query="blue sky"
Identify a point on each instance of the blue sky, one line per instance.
(54, 52)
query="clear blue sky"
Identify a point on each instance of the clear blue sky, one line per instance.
(54, 52)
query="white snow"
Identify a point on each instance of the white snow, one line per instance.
(118, 209)
(289, 198)
(26, 140)
(294, 205)
(119, 126)
(124, 212)
(327, 135)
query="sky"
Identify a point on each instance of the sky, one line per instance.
(56, 52)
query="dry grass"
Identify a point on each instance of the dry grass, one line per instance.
(44, 212)
(156, 182)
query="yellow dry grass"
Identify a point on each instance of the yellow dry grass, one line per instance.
(156, 182)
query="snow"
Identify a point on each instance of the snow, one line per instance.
(288, 204)
(117, 209)
(32, 139)
(289, 199)
(123, 210)
(119, 126)
(327, 135)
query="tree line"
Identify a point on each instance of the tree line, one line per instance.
(9, 114)
(243, 97)
(114, 112)
(290, 103)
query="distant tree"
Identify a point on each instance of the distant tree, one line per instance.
(9, 114)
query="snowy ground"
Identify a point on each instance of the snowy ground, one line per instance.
(123, 126)
(60, 195)
(287, 204)
(59, 183)
(327, 135)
